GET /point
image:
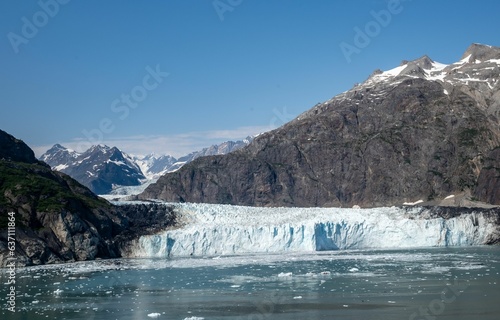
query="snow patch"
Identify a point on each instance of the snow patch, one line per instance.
(412, 203)
(60, 167)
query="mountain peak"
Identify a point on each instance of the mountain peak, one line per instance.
(57, 146)
(99, 147)
(423, 62)
(481, 52)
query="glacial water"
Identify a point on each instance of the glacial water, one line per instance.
(423, 283)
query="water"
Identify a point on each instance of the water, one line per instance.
(447, 283)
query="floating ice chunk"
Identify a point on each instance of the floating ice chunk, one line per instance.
(297, 297)
(353, 270)
(58, 292)
(285, 274)
(194, 318)
(154, 315)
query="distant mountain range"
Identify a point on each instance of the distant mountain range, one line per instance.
(421, 131)
(103, 169)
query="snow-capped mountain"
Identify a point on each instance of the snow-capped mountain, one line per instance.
(59, 157)
(422, 130)
(152, 166)
(100, 168)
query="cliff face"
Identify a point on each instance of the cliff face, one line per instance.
(488, 183)
(420, 131)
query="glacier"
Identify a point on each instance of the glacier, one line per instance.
(212, 230)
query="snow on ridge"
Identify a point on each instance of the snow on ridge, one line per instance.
(437, 72)
(393, 72)
(209, 230)
(437, 66)
(464, 60)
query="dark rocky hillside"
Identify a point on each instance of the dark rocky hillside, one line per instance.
(420, 131)
(57, 219)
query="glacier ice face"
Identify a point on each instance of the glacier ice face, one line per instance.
(209, 230)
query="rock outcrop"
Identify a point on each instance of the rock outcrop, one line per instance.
(420, 131)
(488, 183)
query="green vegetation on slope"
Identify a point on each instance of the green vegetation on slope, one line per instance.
(42, 189)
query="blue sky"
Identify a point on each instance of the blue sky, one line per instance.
(235, 67)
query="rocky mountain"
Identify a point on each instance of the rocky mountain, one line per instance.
(100, 168)
(423, 130)
(57, 219)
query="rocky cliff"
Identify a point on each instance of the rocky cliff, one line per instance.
(57, 219)
(422, 130)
